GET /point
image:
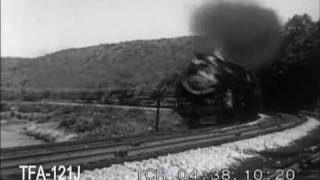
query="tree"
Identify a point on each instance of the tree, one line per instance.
(292, 81)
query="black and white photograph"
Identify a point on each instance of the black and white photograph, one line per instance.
(160, 90)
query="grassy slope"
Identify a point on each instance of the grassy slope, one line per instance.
(127, 64)
(61, 123)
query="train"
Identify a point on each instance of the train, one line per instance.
(213, 90)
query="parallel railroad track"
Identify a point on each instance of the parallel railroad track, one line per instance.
(309, 113)
(95, 105)
(100, 153)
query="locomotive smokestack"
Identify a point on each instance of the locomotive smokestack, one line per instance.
(246, 34)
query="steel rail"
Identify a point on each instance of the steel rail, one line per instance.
(119, 152)
(92, 105)
(63, 153)
(134, 140)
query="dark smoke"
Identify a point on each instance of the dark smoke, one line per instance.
(247, 33)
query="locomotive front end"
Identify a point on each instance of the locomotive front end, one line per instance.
(212, 90)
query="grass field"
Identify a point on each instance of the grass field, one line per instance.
(62, 123)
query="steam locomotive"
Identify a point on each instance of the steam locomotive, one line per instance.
(211, 90)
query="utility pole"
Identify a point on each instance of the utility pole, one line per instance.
(158, 112)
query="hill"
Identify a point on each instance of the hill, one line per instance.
(133, 64)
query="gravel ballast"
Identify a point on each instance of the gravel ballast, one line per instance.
(202, 159)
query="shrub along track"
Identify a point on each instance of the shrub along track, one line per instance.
(101, 153)
(305, 165)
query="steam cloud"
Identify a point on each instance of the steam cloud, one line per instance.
(246, 34)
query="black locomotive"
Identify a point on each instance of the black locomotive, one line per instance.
(212, 90)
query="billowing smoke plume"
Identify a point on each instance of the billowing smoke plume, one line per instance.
(245, 33)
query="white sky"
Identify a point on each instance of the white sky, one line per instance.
(31, 28)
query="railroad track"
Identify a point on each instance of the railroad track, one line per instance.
(100, 153)
(309, 113)
(76, 104)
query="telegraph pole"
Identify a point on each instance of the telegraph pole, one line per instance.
(158, 112)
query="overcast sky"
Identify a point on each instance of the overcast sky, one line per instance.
(31, 28)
